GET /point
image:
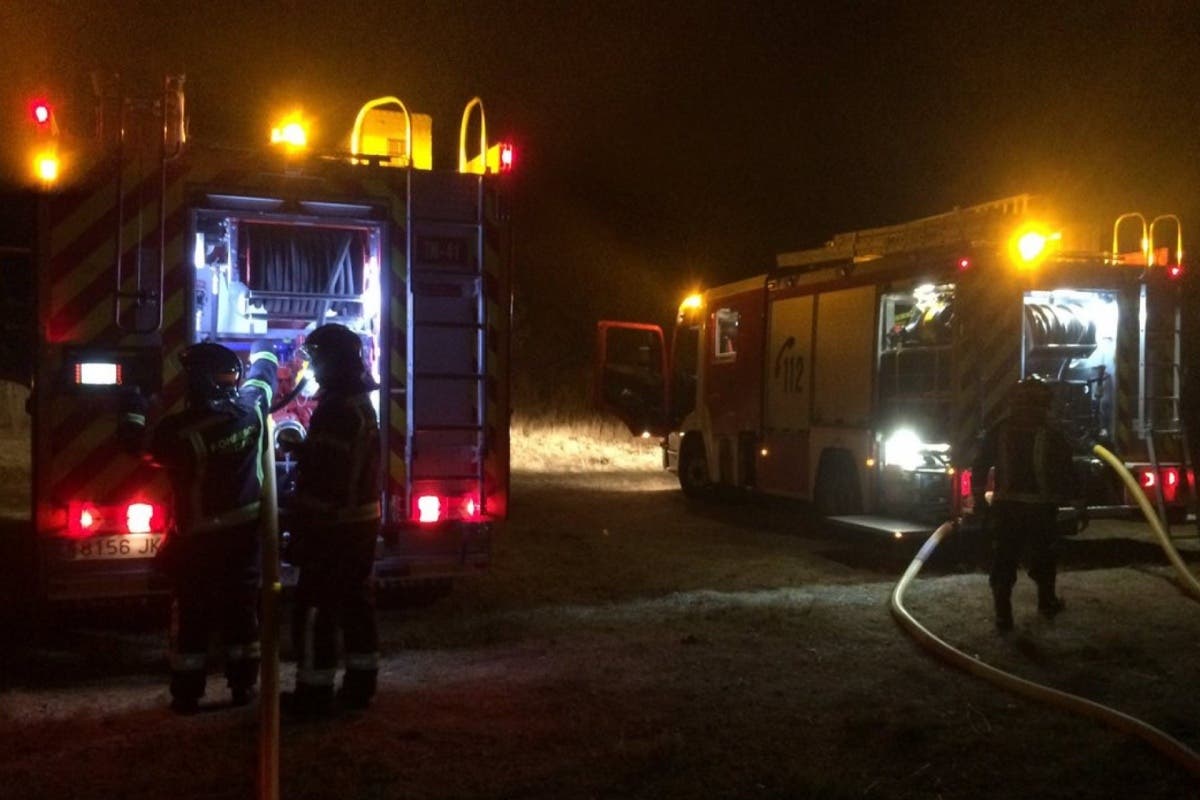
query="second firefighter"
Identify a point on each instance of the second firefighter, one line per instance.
(333, 518)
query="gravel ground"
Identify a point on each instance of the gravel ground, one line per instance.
(627, 644)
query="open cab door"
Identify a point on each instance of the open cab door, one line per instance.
(631, 365)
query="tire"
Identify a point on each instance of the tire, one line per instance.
(837, 491)
(693, 468)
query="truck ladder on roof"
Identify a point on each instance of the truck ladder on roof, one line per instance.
(941, 230)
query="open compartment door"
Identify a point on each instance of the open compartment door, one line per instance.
(631, 364)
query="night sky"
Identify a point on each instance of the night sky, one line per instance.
(663, 145)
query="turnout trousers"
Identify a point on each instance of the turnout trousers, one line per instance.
(1024, 529)
(335, 591)
(215, 578)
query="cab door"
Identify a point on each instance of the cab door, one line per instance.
(630, 370)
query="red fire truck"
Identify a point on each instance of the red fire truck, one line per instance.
(859, 374)
(141, 241)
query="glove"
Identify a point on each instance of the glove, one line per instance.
(131, 419)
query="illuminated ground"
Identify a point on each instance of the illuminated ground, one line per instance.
(627, 644)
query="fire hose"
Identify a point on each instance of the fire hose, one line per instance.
(1177, 751)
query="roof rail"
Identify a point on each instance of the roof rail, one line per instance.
(941, 230)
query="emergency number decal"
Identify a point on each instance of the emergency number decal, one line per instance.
(787, 371)
(789, 367)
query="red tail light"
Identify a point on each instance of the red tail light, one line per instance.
(83, 519)
(1175, 271)
(139, 517)
(86, 519)
(1166, 477)
(1170, 484)
(430, 508)
(965, 500)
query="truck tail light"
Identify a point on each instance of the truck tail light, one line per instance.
(85, 518)
(1166, 477)
(966, 502)
(431, 508)
(140, 517)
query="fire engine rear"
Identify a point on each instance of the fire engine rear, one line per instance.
(146, 241)
(859, 375)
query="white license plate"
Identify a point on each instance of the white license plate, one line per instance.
(129, 545)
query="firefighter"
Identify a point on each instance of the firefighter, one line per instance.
(333, 520)
(1033, 475)
(212, 453)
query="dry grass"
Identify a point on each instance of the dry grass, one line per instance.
(559, 443)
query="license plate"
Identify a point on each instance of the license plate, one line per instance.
(130, 545)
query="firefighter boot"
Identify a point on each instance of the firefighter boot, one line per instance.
(1049, 603)
(1002, 602)
(241, 675)
(187, 687)
(358, 687)
(307, 701)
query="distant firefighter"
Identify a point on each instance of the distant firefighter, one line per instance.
(1033, 476)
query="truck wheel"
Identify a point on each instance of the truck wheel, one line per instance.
(693, 468)
(837, 491)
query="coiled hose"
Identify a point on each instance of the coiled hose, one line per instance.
(1171, 747)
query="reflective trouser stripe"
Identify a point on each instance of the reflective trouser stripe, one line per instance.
(316, 677)
(237, 652)
(187, 662)
(307, 673)
(362, 661)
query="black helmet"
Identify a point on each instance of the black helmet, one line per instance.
(335, 352)
(213, 371)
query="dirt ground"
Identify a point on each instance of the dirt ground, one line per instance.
(628, 644)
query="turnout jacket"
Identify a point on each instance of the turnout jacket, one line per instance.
(1033, 462)
(337, 471)
(212, 452)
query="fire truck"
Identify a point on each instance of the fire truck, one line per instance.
(141, 241)
(859, 375)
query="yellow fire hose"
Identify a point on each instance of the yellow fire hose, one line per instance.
(1189, 581)
(268, 744)
(1177, 751)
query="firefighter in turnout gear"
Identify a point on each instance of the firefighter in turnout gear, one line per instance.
(1033, 475)
(333, 519)
(212, 453)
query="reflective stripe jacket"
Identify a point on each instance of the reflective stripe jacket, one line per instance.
(212, 452)
(337, 472)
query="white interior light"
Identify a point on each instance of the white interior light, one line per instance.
(903, 449)
(94, 373)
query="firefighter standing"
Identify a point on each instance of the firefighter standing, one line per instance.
(1033, 475)
(333, 518)
(212, 453)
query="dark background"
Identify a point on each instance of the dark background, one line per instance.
(661, 145)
